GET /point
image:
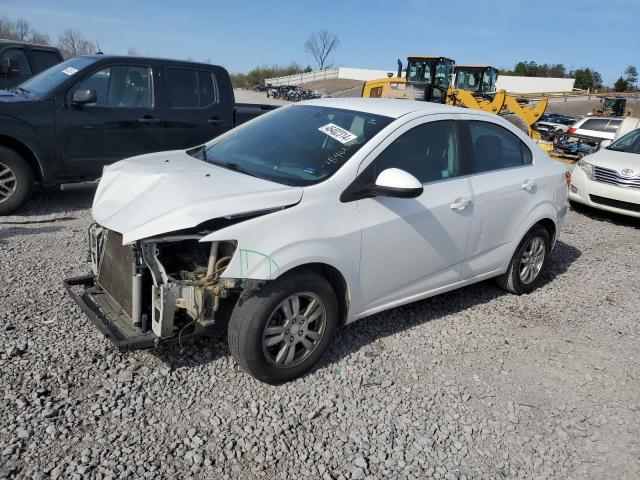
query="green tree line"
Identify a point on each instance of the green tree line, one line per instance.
(257, 75)
(586, 78)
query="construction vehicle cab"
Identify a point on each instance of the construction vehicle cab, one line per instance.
(612, 107)
(478, 79)
(430, 79)
(425, 78)
(431, 76)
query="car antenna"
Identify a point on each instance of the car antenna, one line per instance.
(99, 52)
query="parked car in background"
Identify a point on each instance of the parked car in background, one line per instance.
(603, 128)
(610, 178)
(19, 61)
(314, 216)
(587, 135)
(68, 122)
(551, 124)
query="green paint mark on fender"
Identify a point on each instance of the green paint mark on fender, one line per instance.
(250, 258)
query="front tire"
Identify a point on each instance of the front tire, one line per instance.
(16, 181)
(527, 263)
(277, 332)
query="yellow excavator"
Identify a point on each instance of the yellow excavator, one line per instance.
(428, 78)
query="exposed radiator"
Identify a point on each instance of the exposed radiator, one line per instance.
(116, 270)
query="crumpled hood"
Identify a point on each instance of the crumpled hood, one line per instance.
(163, 192)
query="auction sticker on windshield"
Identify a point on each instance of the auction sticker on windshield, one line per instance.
(338, 133)
(69, 71)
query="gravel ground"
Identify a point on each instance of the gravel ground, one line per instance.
(471, 384)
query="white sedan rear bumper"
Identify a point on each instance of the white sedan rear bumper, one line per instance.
(612, 198)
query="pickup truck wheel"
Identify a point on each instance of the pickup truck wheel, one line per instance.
(16, 181)
(530, 258)
(277, 332)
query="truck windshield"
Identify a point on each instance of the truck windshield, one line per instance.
(297, 145)
(48, 80)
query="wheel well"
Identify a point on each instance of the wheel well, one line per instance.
(25, 152)
(550, 227)
(337, 282)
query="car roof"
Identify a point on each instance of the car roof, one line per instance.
(5, 41)
(101, 56)
(388, 107)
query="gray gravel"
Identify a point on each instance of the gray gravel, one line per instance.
(471, 384)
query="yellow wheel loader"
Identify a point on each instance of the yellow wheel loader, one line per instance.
(429, 78)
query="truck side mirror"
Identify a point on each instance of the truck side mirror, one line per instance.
(82, 97)
(11, 68)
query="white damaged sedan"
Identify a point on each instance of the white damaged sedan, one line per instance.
(314, 216)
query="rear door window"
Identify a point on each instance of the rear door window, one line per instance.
(191, 88)
(494, 147)
(182, 88)
(43, 59)
(207, 88)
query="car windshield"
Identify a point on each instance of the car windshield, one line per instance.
(297, 145)
(54, 76)
(630, 143)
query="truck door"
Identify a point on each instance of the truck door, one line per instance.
(198, 107)
(122, 122)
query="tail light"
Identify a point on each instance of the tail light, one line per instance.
(567, 177)
(572, 129)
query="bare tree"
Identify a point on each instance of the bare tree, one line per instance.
(133, 51)
(320, 45)
(71, 43)
(6, 28)
(41, 38)
(22, 30)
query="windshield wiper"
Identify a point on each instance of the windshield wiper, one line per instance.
(20, 89)
(233, 166)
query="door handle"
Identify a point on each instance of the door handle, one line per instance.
(460, 204)
(528, 185)
(148, 120)
(216, 121)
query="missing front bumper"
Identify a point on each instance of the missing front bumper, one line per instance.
(114, 324)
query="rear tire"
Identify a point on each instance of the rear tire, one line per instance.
(527, 263)
(277, 332)
(517, 121)
(16, 181)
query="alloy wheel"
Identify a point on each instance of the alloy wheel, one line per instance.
(294, 329)
(8, 182)
(532, 260)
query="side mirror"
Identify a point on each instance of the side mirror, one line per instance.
(82, 97)
(11, 68)
(605, 143)
(394, 182)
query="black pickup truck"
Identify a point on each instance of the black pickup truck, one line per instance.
(19, 61)
(64, 125)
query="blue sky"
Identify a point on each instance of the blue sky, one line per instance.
(241, 34)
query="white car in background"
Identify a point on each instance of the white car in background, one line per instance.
(603, 128)
(610, 178)
(313, 216)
